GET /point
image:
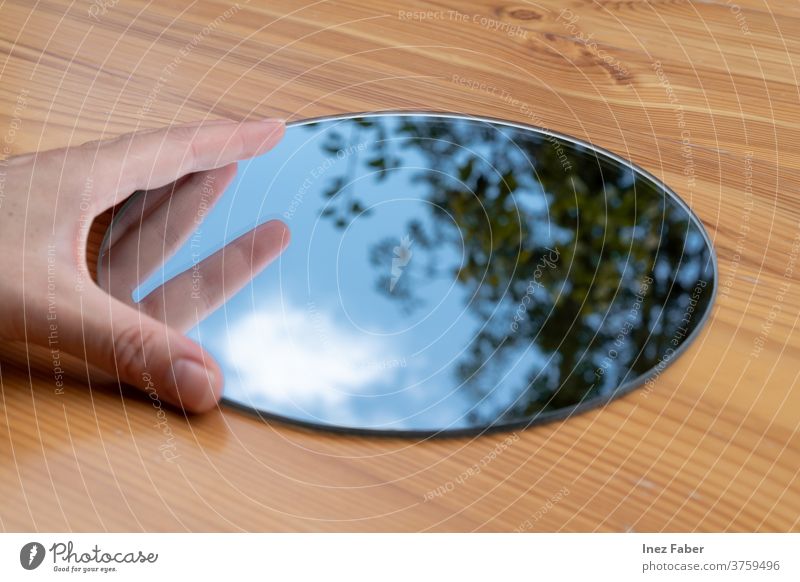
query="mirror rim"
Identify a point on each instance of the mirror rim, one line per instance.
(543, 417)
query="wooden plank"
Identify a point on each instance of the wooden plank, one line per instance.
(713, 447)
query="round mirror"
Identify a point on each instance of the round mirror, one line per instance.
(447, 274)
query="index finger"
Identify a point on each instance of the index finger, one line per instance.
(147, 160)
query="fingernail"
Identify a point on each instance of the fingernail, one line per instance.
(267, 121)
(281, 232)
(193, 376)
(274, 130)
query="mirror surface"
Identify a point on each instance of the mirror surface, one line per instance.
(448, 274)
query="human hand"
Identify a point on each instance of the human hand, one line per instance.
(46, 294)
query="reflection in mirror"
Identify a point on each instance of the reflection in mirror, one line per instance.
(448, 274)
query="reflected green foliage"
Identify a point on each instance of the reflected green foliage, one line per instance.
(586, 273)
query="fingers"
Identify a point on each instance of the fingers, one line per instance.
(187, 299)
(156, 225)
(148, 160)
(138, 207)
(142, 352)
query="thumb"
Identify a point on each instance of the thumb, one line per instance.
(145, 353)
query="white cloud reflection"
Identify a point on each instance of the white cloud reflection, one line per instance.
(289, 354)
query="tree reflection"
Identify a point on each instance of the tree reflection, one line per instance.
(583, 270)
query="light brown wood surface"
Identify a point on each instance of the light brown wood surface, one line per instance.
(713, 447)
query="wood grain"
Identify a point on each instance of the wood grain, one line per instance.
(701, 94)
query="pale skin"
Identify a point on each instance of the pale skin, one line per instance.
(46, 294)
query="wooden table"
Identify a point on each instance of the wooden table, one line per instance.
(703, 95)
